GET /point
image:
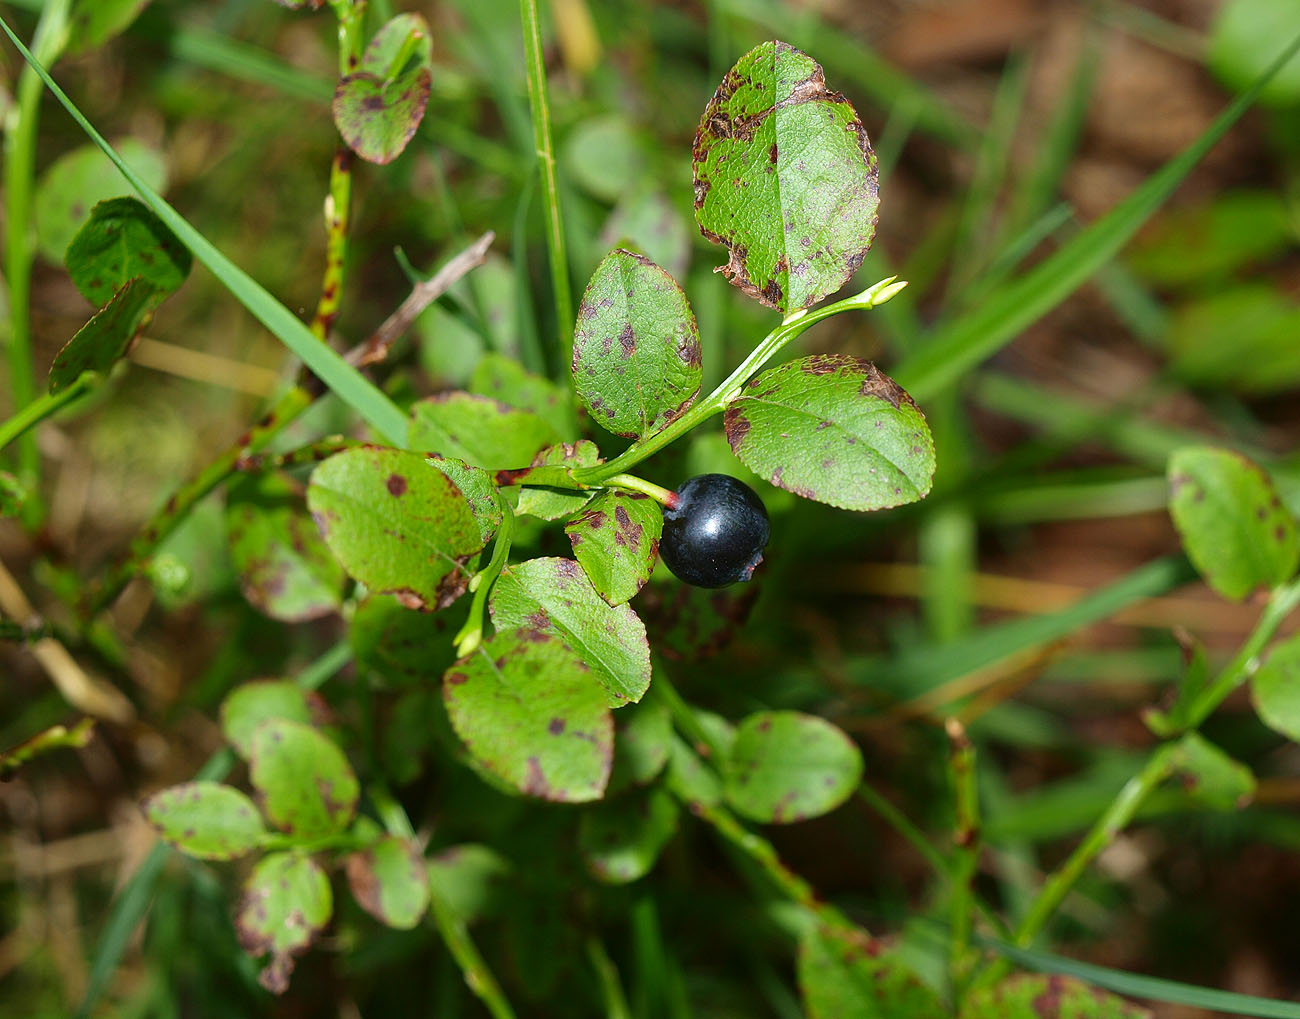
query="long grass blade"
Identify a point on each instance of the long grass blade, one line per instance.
(971, 338)
(344, 380)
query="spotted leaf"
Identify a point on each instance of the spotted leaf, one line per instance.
(307, 787)
(785, 178)
(206, 819)
(378, 108)
(616, 539)
(390, 881)
(636, 348)
(834, 429)
(286, 902)
(529, 713)
(396, 523)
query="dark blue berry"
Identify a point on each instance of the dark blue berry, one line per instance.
(715, 534)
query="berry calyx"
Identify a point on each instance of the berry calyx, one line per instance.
(715, 534)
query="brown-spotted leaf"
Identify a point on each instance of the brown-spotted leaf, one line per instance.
(397, 523)
(844, 973)
(555, 596)
(286, 902)
(616, 539)
(390, 881)
(553, 503)
(206, 819)
(106, 338)
(531, 714)
(378, 109)
(785, 178)
(1046, 996)
(636, 348)
(307, 787)
(835, 429)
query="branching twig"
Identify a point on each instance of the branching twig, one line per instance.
(376, 348)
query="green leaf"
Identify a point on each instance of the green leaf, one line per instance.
(389, 880)
(1206, 242)
(286, 902)
(616, 539)
(285, 568)
(378, 109)
(403, 646)
(786, 766)
(834, 429)
(1035, 995)
(527, 710)
(642, 739)
(472, 880)
(636, 348)
(620, 839)
(121, 241)
(76, 181)
(1275, 689)
(478, 430)
(1246, 38)
(1210, 775)
(1262, 357)
(105, 339)
(91, 23)
(603, 155)
(476, 486)
(557, 503)
(250, 704)
(785, 178)
(844, 973)
(505, 380)
(1233, 525)
(206, 819)
(555, 596)
(308, 789)
(396, 523)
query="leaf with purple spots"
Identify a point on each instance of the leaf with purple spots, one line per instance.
(844, 972)
(555, 503)
(207, 820)
(636, 348)
(1043, 996)
(390, 881)
(478, 430)
(378, 108)
(397, 524)
(306, 785)
(555, 596)
(250, 704)
(286, 902)
(786, 766)
(528, 711)
(105, 339)
(1210, 776)
(834, 429)
(616, 539)
(1230, 517)
(785, 178)
(620, 839)
(123, 240)
(286, 570)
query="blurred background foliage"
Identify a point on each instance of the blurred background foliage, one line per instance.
(1018, 597)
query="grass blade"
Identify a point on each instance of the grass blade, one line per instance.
(965, 342)
(345, 381)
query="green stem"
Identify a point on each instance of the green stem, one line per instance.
(471, 634)
(351, 17)
(632, 483)
(37, 410)
(338, 206)
(790, 327)
(541, 111)
(966, 843)
(19, 171)
(611, 989)
(1281, 603)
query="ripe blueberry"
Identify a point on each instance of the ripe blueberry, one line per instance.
(715, 534)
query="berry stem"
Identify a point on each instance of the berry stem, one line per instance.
(791, 326)
(665, 498)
